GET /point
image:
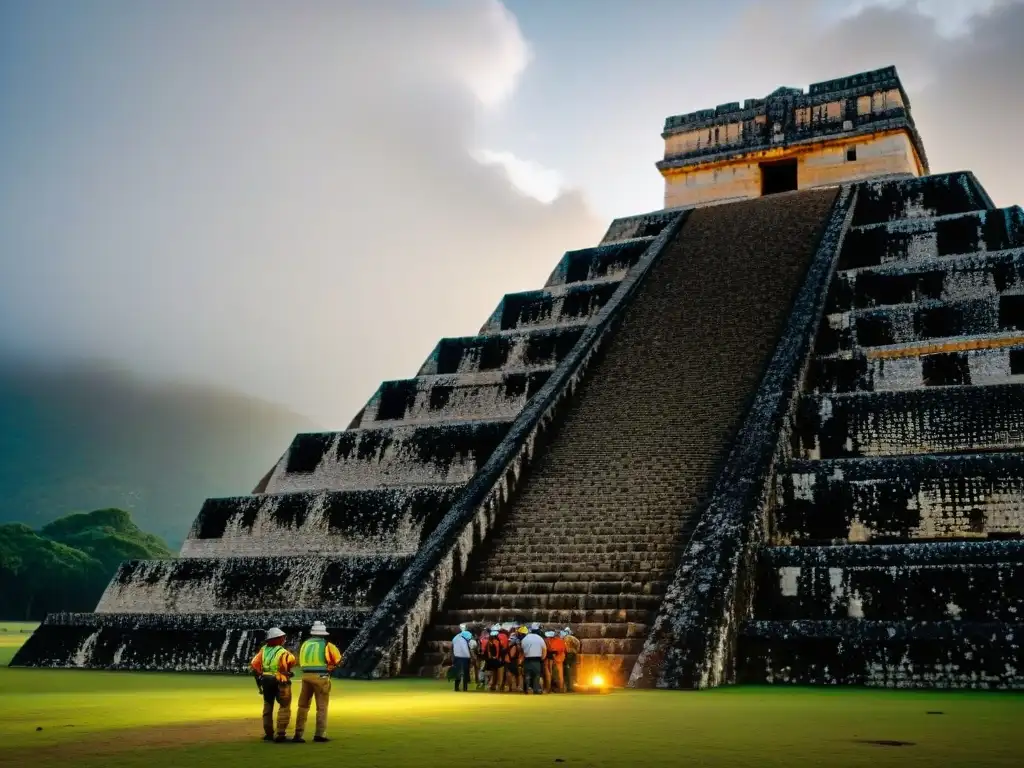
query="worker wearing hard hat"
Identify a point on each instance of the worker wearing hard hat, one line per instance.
(534, 652)
(514, 663)
(494, 660)
(572, 655)
(553, 662)
(461, 657)
(318, 657)
(272, 665)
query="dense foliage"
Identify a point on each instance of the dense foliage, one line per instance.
(66, 565)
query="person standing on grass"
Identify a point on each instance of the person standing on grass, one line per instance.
(572, 655)
(534, 652)
(273, 667)
(461, 657)
(318, 657)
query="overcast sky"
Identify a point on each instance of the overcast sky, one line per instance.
(297, 199)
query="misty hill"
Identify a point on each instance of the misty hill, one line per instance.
(90, 437)
(66, 565)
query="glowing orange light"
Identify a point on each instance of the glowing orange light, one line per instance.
(597, 681)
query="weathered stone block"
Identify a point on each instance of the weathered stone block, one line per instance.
(941, 194)
(522, 351)
(373, 458)
(215, 585)
(963, 581)
(917, 239)
(174, 643)
(883, 654)
(558, 305)
(373, 522)
(456, 397)
(933, 420)
(904, 498)
(605, 262)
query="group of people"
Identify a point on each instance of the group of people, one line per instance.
(510, 658)
(273, 668)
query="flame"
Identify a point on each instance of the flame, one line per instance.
(597, 681)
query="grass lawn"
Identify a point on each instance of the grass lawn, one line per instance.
(154, 720)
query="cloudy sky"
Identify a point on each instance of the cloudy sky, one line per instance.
(297, 199)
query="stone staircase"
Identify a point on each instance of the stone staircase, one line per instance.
(331, 528)
(896, 549)
(593, 536)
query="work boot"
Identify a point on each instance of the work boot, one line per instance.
(268, 737)
(298, 740)
(320, 739)
(281, 739)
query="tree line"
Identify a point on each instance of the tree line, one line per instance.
(66, 564)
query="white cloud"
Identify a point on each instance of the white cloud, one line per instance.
(531, 178)
(291, 209)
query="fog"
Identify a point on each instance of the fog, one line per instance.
(292, 199)
(276, 197)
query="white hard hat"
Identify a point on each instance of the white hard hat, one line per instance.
(496, 628)
(567, 631)
(463, 627)
(549, 633)
(534, 627)
(319, 629)
(274, 632)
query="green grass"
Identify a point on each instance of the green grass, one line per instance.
(138, 719)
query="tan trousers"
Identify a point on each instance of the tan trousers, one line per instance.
(276, 691)
(314, 685)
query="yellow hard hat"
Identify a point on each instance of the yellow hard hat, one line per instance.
(523, 630)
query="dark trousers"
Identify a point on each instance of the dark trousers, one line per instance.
(532, 678)
(461, 672)
(569, 676)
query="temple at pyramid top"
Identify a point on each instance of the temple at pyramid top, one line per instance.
(838, 131)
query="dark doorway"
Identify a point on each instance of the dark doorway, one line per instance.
(778, 177)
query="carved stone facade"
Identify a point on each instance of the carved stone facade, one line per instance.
(839, 131)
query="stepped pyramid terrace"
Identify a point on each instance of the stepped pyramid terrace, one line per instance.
(771, 433)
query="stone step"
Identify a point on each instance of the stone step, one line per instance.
(524, 350)
(950, 654)
(947, 278)
(553, 617)
(647, 429)
(932, 420)
(604, 262)
(910, 240)
(378, 521)
(570, 536)
(940, 194)
(901, 498)
(596, 646)
(550, 307)
(386, 456)
(455, 397)
(593, 631)
(980, 582)
(978, 359)
(566, 548)
(495, 573)
(613, 668)
(595, 562)
(581, 518)
(575, 587)
(920, 322)
(562, 600)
